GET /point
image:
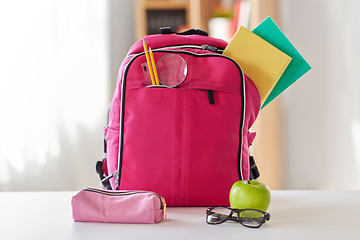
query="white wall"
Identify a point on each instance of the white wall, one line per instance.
(53, 88)
(122, 34)
(59, 61)
(321, 148)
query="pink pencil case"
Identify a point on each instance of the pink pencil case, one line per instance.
(113, 206)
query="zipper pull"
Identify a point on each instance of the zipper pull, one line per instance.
(117, 179)
(211, 97)
(164, 206)
(210, 48)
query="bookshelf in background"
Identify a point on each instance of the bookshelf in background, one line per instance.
(152, 14)
(180, 15)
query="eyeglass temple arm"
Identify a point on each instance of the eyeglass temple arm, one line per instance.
(235, 219)
(265, 218)
(259, 220)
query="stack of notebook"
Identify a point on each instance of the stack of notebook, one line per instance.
(268, 58)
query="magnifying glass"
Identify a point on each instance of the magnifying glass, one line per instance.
(172, 70)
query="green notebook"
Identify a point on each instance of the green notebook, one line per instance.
(270, 32)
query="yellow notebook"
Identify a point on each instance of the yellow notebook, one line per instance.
(260, 60)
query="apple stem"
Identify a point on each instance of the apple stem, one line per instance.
(249, 181)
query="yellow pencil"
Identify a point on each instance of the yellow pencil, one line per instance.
(154, 66)
(148, 62)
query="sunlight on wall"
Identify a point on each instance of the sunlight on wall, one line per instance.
(321, 110)
(53, 88)
(355, 130)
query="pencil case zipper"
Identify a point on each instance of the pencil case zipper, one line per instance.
(124, 193)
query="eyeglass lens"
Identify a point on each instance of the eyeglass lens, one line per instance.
(218, 215)
(251, 218)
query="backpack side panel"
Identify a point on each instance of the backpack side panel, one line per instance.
(252, 108)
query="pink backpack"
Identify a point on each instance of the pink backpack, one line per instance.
(188, 143)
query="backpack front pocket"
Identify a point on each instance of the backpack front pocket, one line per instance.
(184, 143)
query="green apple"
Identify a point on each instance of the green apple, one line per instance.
(250, 194)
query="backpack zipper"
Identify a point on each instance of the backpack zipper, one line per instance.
(124, 193)
(200, 47)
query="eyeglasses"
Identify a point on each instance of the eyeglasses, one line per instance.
(247, 217)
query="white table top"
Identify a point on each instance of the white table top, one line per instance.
(294, 215)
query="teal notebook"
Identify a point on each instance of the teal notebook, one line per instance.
(270, 32)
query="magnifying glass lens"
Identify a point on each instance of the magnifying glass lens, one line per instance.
(172, 70)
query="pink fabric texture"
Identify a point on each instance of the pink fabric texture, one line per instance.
(175, 143)
(95, 205)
